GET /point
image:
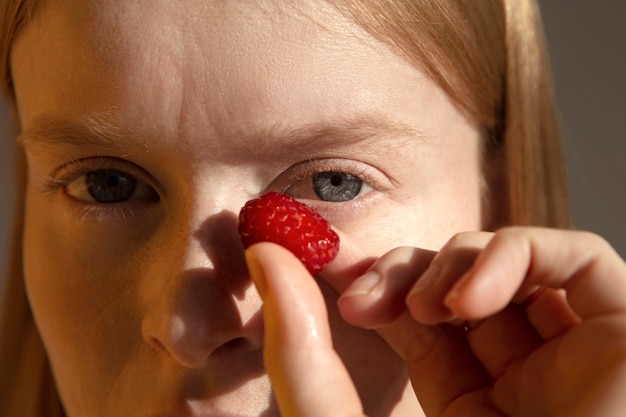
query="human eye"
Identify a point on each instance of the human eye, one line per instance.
(108, 185)
(336, 186)
(332, 181)
(101, 184)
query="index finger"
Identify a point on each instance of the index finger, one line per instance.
(517, 259)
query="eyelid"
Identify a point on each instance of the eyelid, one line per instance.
(95, 212)
(74, 169)
(370, 175)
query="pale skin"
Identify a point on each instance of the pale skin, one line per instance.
(146, 306)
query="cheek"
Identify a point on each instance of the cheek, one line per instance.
(448, 198)
(81, 296)
(426, 213)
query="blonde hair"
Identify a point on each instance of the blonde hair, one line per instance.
(488, 56)
(491, 59)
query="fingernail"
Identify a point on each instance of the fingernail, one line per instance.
(426, 280)
(362, 285)
(257, 274)
(449, 299)
(455, 291)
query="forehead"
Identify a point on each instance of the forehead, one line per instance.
(239, 64)
(221, 33)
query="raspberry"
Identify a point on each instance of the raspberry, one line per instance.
(280, 219)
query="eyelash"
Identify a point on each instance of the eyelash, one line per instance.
(71, 171)
(304, 170)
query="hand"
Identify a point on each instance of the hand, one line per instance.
(546, 312)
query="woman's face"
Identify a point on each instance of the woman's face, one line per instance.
(148, 125)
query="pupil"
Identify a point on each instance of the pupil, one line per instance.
(110, 185)
(336, 186)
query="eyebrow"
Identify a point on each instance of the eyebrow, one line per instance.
(94, 130)
(364, 130)
(97, 130)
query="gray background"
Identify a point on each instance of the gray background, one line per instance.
(587, 44)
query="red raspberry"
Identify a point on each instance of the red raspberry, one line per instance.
(278, 218)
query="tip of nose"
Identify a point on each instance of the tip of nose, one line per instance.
(190, 349)
(193, 348)
(196, 316)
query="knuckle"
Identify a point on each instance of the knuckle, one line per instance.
(397, 256)
(469, 239)
(519, 235)
(594, 240)
(419, 341)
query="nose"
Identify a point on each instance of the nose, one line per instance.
(201, 303)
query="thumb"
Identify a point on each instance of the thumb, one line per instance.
(306, 373)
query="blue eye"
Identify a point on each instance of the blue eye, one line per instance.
(336, 186)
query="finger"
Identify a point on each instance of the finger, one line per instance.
(306, 373)
(426, 299)
(502, 339)
(567, 371)
(519, 259)
(515, 332)
(442, 368)
(376, 298)
(446, 377)
(550, 313)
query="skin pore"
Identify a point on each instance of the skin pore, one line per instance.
(145, 306)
